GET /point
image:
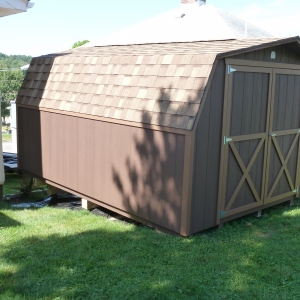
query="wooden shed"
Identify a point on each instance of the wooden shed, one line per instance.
(179, 136)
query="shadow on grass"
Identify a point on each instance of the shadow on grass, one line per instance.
(237, 262)
(6, 221)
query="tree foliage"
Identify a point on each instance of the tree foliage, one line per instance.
(13, 61)
(80, 43)
(11, 78)
(10, 84)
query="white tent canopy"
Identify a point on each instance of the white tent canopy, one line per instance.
(10, 7)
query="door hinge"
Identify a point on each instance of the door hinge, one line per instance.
(227, 140)
(296, 190)
(231, 69)
(222, 214)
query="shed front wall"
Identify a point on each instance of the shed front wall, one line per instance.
(136, 170)
(260, 155)
(261, 151)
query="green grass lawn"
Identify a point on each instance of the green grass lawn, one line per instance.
(12, 183)
(62, 254)
(6, 137)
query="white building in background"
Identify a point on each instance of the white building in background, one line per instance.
(7, 8)
(13, 120)
(13, 126)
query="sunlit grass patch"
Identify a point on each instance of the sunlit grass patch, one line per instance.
(12, 183)
(6, 137)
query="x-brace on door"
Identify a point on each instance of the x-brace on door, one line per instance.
(283, 143)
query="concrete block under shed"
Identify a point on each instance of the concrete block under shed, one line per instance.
(52, 190)
(38, 182)
(88, 204)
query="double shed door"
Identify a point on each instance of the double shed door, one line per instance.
(261, 126)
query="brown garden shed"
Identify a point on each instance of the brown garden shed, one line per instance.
(179, 136)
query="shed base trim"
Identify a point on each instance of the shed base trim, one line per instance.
(116, 210)
(255, 210)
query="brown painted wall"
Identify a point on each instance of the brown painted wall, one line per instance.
(136, 170)
(284, 54)
(207, 154)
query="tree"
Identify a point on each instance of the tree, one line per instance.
(13, 61)
(10, 84)
(80, 43)
(10, 80)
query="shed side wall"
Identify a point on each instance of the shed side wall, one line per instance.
(207, 154)
(136, 170)
(284, 54)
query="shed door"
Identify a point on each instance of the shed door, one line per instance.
(283, 144)
(260, 156)
(246, 127)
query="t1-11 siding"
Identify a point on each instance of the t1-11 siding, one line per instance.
(208, 142)
(139, 171)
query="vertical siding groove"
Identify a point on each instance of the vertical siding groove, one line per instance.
(104, 161)
(208, 137)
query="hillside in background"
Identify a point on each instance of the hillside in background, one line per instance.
(13, 61)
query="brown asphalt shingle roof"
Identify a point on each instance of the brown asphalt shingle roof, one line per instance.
(159, 84)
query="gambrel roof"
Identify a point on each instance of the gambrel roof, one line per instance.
(158, 84)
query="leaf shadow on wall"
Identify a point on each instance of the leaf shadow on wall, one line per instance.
(152, 185)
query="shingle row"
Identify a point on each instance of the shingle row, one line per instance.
(159, 84)
(165, 90)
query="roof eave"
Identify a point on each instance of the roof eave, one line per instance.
(261, 46)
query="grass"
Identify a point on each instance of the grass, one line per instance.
(12, 183)
(6, 137)
(63, 254)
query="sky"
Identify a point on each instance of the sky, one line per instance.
(52, 26)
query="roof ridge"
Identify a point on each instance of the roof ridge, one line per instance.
(242, 20)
